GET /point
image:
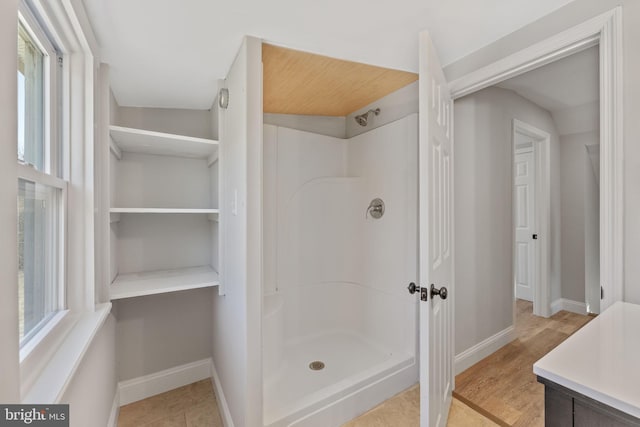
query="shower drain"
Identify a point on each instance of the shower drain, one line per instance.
(316, 365)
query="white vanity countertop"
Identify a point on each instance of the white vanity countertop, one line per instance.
(601, 360)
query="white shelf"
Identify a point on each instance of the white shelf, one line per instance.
(165, 144)
(158, 282)
(163, 210)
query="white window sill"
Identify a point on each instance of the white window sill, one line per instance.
(53, 380)
(52, 326)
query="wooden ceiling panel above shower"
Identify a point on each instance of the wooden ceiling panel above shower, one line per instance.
(298, 82)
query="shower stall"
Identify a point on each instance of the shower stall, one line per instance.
(339, 327)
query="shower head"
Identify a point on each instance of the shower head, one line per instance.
(363, 118)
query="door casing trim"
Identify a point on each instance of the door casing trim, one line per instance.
(604, 30)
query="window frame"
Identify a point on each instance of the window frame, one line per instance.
(53, 259)
(47, 369)
(52, 147)
(41, 348)
(54, 152)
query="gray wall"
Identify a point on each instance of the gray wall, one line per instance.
(10, 383)
(93, 387)
(114, 109)
(573, 179)
(566, 17)
(237, 316)
(483, 214)
(323, 125)
(197, 123)
(158, 332)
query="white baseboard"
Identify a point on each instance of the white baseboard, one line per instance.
(474, 354)
(115, 410)
(568, 305)
(223, 407)
(159, 382)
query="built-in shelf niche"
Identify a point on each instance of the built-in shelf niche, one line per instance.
(161, 143)
(163, 281)
(212, 214)
(155, 171)
(162, 252)
(164, 212)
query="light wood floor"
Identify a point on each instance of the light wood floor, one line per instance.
(403, 410)
(193, 405)
(503, 385)
(499, 390)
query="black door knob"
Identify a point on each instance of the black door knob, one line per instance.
(413, 288)
(442, 292)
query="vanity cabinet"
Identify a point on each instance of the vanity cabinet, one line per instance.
(592, 378)
(564, 407)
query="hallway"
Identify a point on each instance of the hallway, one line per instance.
(502, 386)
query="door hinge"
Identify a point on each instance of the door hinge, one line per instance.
(534, 237)
(601, 292)
(60, 61)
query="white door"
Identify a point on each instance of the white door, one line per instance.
(436, 238)
(524, 222)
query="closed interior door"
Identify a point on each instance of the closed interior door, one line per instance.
(524, 221)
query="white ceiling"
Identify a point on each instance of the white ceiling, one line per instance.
(569, 89)
(570, 82)
(169, 53)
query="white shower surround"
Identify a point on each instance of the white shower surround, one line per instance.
(335, 281)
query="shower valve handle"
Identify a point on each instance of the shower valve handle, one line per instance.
(375, 209)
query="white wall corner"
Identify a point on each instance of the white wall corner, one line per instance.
(568, 305)
(115, 410)
(223, 407)
(159, 382)
(474, 354)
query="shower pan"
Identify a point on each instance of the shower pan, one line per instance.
(339, 328)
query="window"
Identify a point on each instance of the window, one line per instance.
(55, 238)
(40, 189)
(30, 101)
